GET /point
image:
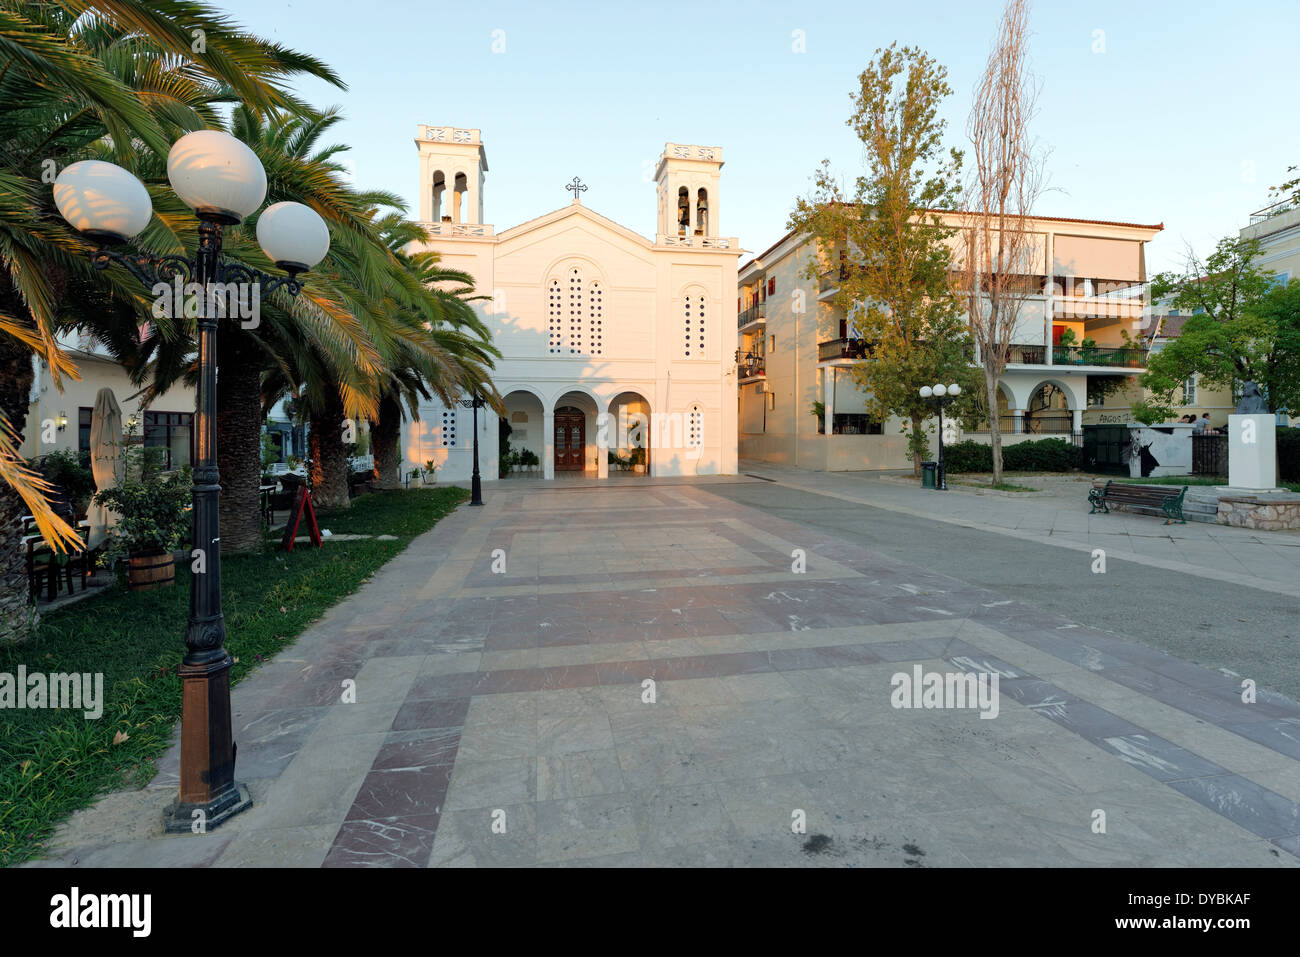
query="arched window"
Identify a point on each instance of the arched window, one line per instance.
(683, 210)
(447, 436)
(460, 189)
(693, 325)
(441, 198)
(595, 319)
(576, 304)
(575, 314)
(702, 213)
(555, 317)
(695, 428)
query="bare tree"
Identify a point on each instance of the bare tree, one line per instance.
(997, 273)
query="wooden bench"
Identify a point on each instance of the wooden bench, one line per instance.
(1162, 497)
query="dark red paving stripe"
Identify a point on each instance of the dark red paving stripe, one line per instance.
(457, 687)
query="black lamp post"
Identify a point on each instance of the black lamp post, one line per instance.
(940, 395)
(476, 482)
(222, 180)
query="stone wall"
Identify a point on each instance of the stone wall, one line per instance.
(1270, 513)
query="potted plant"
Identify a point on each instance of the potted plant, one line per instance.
(153, 518)
(1061, 351)
(529, 460)
(412, 476)
(819, 410)
(637, 459)
(1088, 353)
(429, 471)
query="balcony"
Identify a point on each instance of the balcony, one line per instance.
(830, 280)
(1132, 357)
(842, 349)
(750, 365)
(1097, 307)
(755, 313)
(1268, 212)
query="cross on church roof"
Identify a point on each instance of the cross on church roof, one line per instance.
(576, 187)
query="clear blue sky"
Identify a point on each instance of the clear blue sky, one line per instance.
(1186, 118)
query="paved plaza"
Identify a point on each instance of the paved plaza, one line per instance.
(504, 663)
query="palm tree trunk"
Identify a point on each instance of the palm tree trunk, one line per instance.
(329, 457)
(17, 616)
(385, 443)
(239, 441)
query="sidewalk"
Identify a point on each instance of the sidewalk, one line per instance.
(503, 715)
(1059, 516)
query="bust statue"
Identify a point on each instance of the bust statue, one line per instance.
(1252, 400)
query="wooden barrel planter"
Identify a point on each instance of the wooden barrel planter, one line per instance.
(150, 570)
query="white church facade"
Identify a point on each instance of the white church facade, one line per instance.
(610, 342)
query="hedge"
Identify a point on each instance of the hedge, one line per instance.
(1288, 454)
(1041, 455)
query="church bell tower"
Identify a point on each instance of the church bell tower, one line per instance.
(686, 181)
(452, 164)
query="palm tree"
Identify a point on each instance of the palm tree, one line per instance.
(112, 76)
(457, 358)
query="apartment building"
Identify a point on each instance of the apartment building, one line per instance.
(796, 347)
(1277, 227)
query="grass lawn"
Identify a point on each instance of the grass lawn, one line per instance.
(1191, 480)
(53, 762)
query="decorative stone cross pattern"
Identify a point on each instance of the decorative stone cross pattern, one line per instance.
(576, 187)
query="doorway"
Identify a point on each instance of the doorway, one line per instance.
(570, 439)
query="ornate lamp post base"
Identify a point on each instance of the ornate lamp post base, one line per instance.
(180, 818)
(207, 783)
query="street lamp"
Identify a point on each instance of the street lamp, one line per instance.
(223, 181)
(941, 395)
(476, 483)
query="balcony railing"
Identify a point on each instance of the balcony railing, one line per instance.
(751, 365)
(831, 279)
(1051, 426)
(1268, 212)
(1131, 357)
(755, 313)
(842, 349)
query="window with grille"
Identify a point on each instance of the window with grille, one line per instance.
(448, 435)
(575, 310)
(575, 315)
(595, 317)
(693, 326)
(694, 428)
(1189, 390)
(554, 317)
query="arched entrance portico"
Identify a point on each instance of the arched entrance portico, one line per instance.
(522, 432)
(571, 425)
(629, 434)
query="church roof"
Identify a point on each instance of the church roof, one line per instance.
(573, 209)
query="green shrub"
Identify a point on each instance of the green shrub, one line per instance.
(1288, 454)
(1042, 455)
(1039, 455)
(66, 470)
(968, 456)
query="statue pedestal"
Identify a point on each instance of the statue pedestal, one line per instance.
(1252, 452)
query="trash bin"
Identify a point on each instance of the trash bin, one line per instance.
(927, 474)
